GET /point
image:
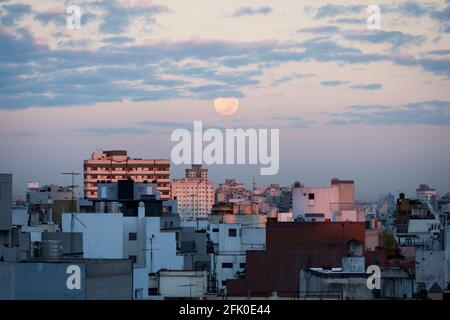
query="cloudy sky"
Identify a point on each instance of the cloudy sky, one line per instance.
(353, 103)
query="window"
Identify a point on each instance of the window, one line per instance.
(133, 258)
(227, 265)
(310, 196)
(232, 232)
(242, 265)
(138, 293)
(132, 236)
(215, 230)
(224, 282)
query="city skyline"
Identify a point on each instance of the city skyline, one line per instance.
(366, 105)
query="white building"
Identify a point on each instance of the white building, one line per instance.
(111, 235)
(231, 241)
(334, 203)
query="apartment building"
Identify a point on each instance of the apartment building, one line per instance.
(194, 193)
(114, 165)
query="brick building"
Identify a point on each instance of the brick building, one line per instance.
(290, 246)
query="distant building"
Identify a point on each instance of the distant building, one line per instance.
(194, 193)
(196, 171)
(111, 166)
(230, 189)
(425, 194)
(408, 209)
(278, 197)
(334, 203)
(47, 203)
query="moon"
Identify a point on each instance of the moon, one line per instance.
(226, 106)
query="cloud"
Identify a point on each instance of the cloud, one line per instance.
(251, 11)
(295, 121)
(58, 16)
(164, 124)
(331, 10)
(118, 15)
(118, 39)
(33, 74)
(332, 83)
(356, 21)
(440, 14)
(439, 52)
(368, 107)
(10, 13)
(290, 77)
(370, 86)
(321, 29)
(443, 18)
(433, 112)
(395, 38)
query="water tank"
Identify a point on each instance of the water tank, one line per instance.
(50, 248)
(100, 207)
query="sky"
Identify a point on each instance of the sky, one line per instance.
(349, 101)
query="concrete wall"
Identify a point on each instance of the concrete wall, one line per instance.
(102, 233)
(163, 248)
(140, 283)
(38, 281)
(430, 267)
(48, 280)
(19, 217)
(183, 284)
(351, 286)
(109, 280)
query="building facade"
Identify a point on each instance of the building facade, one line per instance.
(111, 166)
(194, 193)
(334, 203)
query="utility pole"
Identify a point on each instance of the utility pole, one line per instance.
(151, 253)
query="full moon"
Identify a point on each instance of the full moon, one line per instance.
(226, 106)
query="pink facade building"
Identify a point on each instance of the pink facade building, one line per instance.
(333, 203)
(114, 165)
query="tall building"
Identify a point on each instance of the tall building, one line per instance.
(194, 194)
(114, 165)
(424, 193)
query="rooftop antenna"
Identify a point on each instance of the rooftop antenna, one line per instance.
(254, 183)
(72, 186)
